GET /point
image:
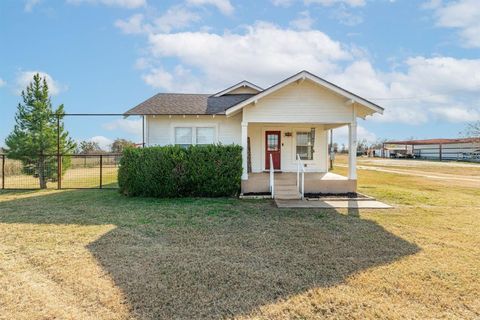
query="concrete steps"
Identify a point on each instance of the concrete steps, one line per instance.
(287, 192)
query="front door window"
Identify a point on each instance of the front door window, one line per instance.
(272, 140)
(272, 147)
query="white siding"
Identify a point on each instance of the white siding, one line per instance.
(305, 102)
(160, 132)
(256, 133)
(160, 128)
(243, 90)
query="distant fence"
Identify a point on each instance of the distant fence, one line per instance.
(64, 171)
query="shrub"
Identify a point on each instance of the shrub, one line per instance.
(172, 171)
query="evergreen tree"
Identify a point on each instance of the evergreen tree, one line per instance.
(34, 137)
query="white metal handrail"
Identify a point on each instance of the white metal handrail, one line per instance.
(272, 177)
(300, 183)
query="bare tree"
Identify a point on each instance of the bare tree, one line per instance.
(473, 130)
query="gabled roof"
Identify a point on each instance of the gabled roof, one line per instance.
(181, 103)
(225, 103)
(241, 84)
(302, 75)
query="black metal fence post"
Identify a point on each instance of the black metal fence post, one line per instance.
(3, 171)
(59, 157)
(101, 171)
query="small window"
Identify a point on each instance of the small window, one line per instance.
(272, 142)
(305, 142)
(183, 136)
(205, 135)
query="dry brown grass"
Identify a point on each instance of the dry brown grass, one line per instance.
(95, 254)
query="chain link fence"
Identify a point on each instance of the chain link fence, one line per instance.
(76, 171)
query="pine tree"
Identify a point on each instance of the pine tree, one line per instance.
(34, 137)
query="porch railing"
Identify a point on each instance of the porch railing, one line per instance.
(272, 177)
(300, 177)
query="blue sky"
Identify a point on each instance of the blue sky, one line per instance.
(418, 59)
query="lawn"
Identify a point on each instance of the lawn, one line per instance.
(94, 254)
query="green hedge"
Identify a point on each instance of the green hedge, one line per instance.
(172, 171)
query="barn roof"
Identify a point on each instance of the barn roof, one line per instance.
(434, 141)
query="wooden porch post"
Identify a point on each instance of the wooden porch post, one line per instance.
(245, 150)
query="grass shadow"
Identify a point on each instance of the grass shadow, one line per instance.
(214, 258)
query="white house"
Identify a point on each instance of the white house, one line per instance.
(283, 130)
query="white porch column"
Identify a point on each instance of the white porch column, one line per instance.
(352, 150)
(245, 150)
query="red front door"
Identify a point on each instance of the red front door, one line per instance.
(272, 147)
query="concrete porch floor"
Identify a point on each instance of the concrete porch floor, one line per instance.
(315, 182)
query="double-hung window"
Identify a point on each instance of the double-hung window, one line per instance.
(205, 135)
(185, 136)
(305, 142)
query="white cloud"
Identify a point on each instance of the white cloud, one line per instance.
(132, 25)
(427, 88)
(340, 135)
(30, 4)
(159, 78)
(180, 79)
(303, 22)
(282, 3)
(25, 77)
(347, 17)
(2, 82)
(129, 4)
(463, 15)
(327, 3)
(130, 126)
(352, 3)
(224, 6)
(176, 17)
(457, 114)
(103, 142)
(263, 53)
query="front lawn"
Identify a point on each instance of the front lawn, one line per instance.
(94, 254)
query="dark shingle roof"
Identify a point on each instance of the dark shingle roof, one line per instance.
(178, 103)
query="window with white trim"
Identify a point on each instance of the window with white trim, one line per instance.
(205, 135)
(183, 136)
(305, 143)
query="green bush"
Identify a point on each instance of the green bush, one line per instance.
(172, 171)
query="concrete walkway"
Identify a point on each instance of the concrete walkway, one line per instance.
(335, 204)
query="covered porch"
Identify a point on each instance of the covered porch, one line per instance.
(315, 182)
(292, 159)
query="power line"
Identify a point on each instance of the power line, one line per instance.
(407, 98)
